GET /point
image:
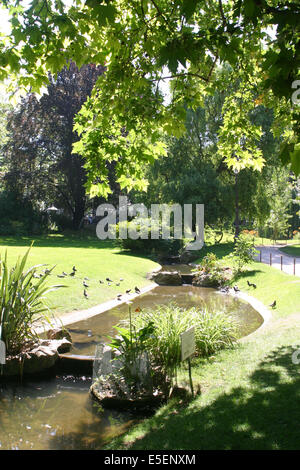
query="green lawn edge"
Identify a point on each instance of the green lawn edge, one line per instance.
(249, 395)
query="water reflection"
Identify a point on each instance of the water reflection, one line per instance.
(55, 414)
(185, 296)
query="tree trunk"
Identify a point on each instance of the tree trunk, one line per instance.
(78, 213)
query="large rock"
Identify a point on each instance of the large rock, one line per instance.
(59, 333)
(189, 255)
(167, 278)
(42, 355)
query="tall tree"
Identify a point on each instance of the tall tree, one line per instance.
(145, 42)
(39, 151)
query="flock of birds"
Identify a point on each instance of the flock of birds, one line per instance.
(108, 281)
(136, 289)
(226, 290)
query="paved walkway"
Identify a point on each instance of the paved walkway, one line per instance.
(287, 260)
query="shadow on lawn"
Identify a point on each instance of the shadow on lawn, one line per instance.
(68, 240)
(264, 416)
(220, 250)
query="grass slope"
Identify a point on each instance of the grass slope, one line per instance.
(291, 250)
(93, 258)
(249, 395)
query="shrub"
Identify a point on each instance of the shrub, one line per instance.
(18, 217)
(244, 251)
(209, 262)
(21, 302)
(171, 246)
(213, 331)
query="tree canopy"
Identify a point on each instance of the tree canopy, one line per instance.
(145, 43)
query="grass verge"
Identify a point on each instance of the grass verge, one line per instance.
(249, 395)
(93, 258)
(291, 250)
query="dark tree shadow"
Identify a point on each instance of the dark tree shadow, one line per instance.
(263, 416)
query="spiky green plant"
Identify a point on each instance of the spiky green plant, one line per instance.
(22, 305)
(213, 331)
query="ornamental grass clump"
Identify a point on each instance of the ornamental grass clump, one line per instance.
(213, 331)
(22, 307)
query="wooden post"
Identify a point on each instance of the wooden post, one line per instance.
(260, 256)
(270, 259)
(281, 262)
(190, 376)
(294, 266)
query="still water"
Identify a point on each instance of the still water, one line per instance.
(86, 334)
(58, 413)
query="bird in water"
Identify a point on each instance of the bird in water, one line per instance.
(137, 290)
(225, 289)
(85, 294)
(273, 304)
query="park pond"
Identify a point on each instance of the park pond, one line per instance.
(59, 413)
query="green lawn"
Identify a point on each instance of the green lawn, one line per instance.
(291, 250)
(93, 258)
(249, 395)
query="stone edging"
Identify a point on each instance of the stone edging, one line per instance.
(76, 316)
(259, 307)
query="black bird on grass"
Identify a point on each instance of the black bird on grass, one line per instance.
(74, 269)
(273, 304)
(85, 294)
(137, 290)
(128, 291)
(85, 284)
(108, 280)
(101, 282)
(236, 289)
(250, 284)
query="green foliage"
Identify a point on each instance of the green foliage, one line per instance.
(22, 304)
(213, 331)
(144, 43)
(18, 217)
(244, 251)
(209, 262)
(131, 342)
(280, 196)
(160, 246)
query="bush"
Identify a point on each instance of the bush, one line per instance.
(213, 331)
(21, 302)
(18, 217)
(244, 251)
(171, 246)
